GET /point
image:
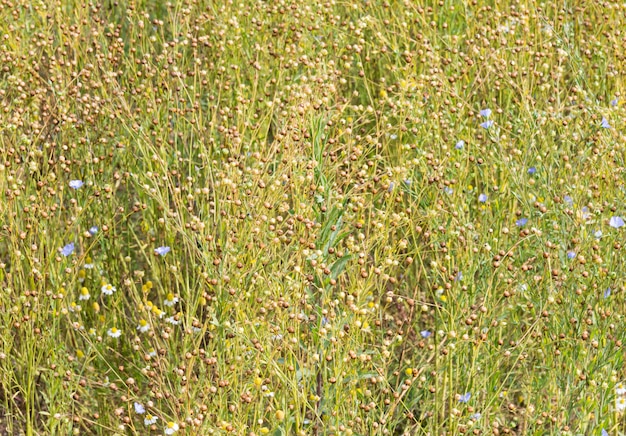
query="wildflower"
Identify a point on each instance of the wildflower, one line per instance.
(487, 124)
(162, 251)
(459, 145)
(448, 190)
(75, 307)
(139, 409)
(108, 289)
(521, 222)
(598, 234)
(171, 428)
(607, 293)
(605, 124)
(532, 170)
(143, 326)
(485, 113)
(465, 397)
(482, 198)
(614, 102)
(620, 389)
(149, 419)
(571, 254)
(114, 332)
(390, 188)
(568, 200)
(616, 222)
(604, 433)
(158, 312)
(93, 230)
(620, 404)
(458, 277)
(170, 300)
(425, 334)
(84, 294)
(76, 184)
(476, 416)
(68, 249)
(172, 320)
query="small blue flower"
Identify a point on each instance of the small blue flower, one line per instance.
(425, 334)
(459, 145)
(614, 102)
(93, 230)
(568, 200)
(607, 293)
(76, 184)
(68, 249)
(598, 234)
(448, 190)
(485, 113)
(605, 124)
(521, 222)
(139, 408)
(459, 277)
(476, 416)
(571, 254)
(162, 251)
(465, 397)
(532, 170)
(604, 433)
(391, 185)
(616, 222)
(487, 124)
(407, 182)
(482, 198)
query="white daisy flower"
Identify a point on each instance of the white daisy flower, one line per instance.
(108, 289)
(170, 300)
(150, 419)
(171, 428)
(143, 326)
(114, 332)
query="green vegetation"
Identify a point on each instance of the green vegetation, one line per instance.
(312, 217)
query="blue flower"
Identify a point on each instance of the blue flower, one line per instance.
(614, 102)
(521, 222)
(448, 190)
(476, 416)
(482, 198)
(76, 184)
(68, 249)
(425, 334)
(459, 145)
(604, 433)
(616, 222)
(465, 397)
(598, 234)
(391, 185)
(487, 124)
(571, 254)
(607, 293)
(485, 113)
(162, 251)
(605, 124)
(458, 277)
(568, 200)
(532, 170)
(93, 230)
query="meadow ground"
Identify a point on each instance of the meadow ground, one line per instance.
(313, 217)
